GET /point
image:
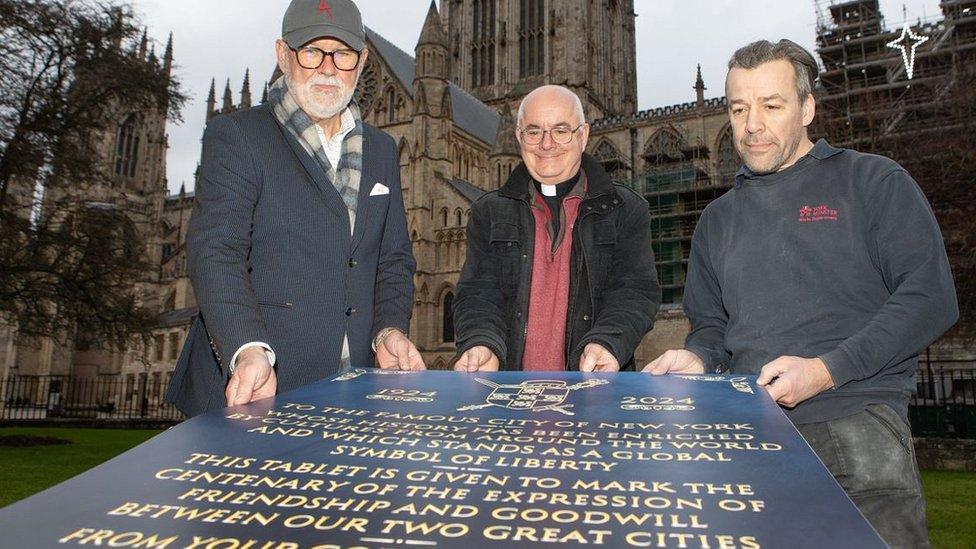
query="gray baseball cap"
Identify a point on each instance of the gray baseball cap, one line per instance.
(307, 20)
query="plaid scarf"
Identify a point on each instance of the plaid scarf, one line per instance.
(346, 177)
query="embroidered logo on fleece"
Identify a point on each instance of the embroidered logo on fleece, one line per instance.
(325, 7)
(817, 213)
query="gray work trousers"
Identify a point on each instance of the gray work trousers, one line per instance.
(871, 455)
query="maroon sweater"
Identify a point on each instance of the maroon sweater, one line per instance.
(545, 337)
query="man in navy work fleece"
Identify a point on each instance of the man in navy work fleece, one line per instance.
(297, 248)
(822, 271)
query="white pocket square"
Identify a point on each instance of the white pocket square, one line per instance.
(379, 189)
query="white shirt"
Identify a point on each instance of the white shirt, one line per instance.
(333, 147)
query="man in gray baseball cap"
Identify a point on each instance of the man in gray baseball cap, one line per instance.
(310, 19)
(297, 248)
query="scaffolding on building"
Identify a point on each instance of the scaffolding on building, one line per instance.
(869, 91)
(907, 90)
(681, 177)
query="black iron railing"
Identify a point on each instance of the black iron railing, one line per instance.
(107, 398)
(945, 403)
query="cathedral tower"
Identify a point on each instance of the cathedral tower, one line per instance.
(502, 49)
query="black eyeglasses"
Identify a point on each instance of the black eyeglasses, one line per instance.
(560, 134)
(310, 57)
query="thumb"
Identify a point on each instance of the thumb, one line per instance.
(245, 387)
(402, 353)
(588, 361)
(231, 391)
(662, 364)
(462, 364)
(769, 372)
(415, 359)
(652, 366)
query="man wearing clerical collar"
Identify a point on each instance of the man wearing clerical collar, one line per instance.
(559, 273)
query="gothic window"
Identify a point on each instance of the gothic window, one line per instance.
(728, 157)
(532, 34)
(366, 89)
(174, 345)
(457, 215)
(159, 346)
(127, 148)
(483, 43)
(404, 153)
(390, 106)
(668, 163)
(444, 217)
(606, 27)
(154, 387)
(447, 331)
(664, 146)
(611, 160)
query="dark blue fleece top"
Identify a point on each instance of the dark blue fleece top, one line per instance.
(837, 257)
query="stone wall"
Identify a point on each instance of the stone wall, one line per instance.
(670, 328)
(946, 454)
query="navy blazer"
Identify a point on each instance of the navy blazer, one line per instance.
(271, 258)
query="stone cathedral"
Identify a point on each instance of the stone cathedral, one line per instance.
(450, 105)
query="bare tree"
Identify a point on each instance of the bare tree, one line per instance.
(73, 260)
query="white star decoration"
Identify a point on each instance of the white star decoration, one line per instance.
(908, 43)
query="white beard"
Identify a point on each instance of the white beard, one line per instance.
(318, 105)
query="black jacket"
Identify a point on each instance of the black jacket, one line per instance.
(613, 294)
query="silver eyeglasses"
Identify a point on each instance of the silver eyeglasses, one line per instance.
(560, 134)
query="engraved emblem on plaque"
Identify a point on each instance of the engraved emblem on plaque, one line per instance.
(532, 395)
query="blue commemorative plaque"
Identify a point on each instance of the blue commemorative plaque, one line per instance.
(442, 460)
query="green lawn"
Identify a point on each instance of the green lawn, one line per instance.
(24, 471)
(951, 508)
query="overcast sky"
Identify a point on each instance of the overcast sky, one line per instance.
(221, 38)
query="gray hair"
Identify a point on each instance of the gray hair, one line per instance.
(577, 104)
(764, 51)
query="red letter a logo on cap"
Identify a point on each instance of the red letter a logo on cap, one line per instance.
(324, 7)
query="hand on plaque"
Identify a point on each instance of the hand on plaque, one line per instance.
(790, 379)
(396, 352)
(253, 378)
(676, 361)
(477, 359)
(596, 358)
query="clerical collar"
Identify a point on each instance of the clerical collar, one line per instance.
(559, 189)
